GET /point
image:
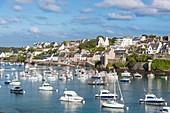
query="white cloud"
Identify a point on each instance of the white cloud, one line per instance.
(135, 28)
(146, 11)
(23, 1)
(87, 10)
(161, 4)
(34, 29)
(109, 32)
(17, 8)
(11, 20)
(123, 4)
(49, 5)
(2, 21)
(119, 16)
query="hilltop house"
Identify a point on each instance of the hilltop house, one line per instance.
(154, 48)
(104, 42)
(166, 48)
(124, 42)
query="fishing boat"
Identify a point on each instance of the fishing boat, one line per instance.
(114, 103)
(46, 87)
(17, 90)
(71, 96)
(105, 94)
(151, 99)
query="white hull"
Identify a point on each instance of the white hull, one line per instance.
(46, 88)
(71, 99)
(15, 83)
(113, 104)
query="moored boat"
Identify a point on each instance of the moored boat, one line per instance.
(7, 82)
(151, 99)
(105, 94)
(165, 109)
(15, 82)
(17, 90)
(46, 87)
(71, 96)
(113, 104)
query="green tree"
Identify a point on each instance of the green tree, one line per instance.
(31, 49)
(97, 63)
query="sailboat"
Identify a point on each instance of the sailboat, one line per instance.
(113, 103)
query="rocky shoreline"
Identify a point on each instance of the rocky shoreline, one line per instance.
(84, 64)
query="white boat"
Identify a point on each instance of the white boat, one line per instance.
(2, 69)
(15, 82)
(105, 94)
(114, 102)
(165, 109)
(46, 87)
(125, 79)
(71, 96)
(151, 75)
(151, 99)
(13, 69)
(113, 75)
(137, 75)
(126, 74)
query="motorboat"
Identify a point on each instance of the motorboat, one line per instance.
(15, 82)
(17, 90)
(151, 75)
(71, 96)
(126, 74)
(105, 94)
(125, 79)
(165, 109)
(151, 99)
(46, 87)
(7, 82)
(137, 75)
(113, 104)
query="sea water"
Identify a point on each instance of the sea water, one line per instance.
(35, 101)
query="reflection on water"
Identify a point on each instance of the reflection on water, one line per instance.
(46, 94)
(151, 108)
(113, 110)
(71, 106)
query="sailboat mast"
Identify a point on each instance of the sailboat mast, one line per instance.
(120, 92)
(114, 88)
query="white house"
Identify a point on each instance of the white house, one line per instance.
(154, 48)
(2, 55)
(124, 42)
(104, 42)
(62, 47)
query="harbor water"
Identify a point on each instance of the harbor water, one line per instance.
(35, 101)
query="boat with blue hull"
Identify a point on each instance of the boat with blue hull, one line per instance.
(7, 82)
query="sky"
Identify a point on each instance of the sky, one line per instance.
(24, 22)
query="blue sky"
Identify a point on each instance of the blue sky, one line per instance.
(24, 22)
